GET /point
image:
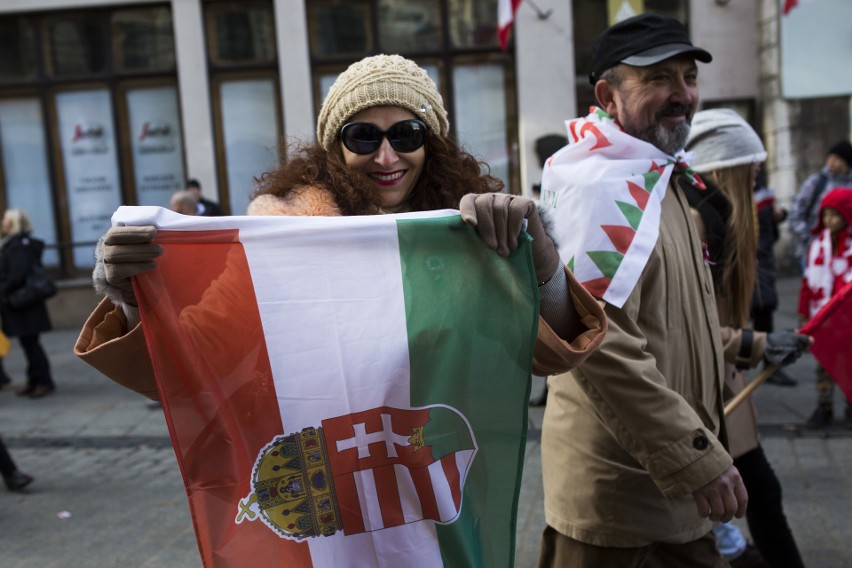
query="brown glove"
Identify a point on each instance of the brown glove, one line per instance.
(121, 253)
(498, 217)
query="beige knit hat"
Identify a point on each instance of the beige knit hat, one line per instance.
(381, 80)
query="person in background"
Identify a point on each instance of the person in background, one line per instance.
(765, 298)
(18, 251)
(634, 457)
(15, 479)
(727, 152)
(828, 269)
(804, 211)
(184, 202)
(205, 207)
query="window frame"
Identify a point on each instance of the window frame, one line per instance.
(130, 192)
(216, 82)
(45, 85)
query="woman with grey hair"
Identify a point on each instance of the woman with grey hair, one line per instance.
(18, 252)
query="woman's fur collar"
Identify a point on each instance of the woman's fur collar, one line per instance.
(313, 201)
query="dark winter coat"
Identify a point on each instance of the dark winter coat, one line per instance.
(766, 296)
(16, 256)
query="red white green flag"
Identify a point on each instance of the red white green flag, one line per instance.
(345, 391)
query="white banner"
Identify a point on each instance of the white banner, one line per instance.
(251, 135)
(87, 137)
(156, 143)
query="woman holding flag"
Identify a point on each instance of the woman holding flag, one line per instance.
(383, 147)
(727, 152)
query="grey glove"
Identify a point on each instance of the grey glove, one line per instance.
(498, 217)
(121, 253)
(784, 347)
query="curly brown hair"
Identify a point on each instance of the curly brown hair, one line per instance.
(448, 173)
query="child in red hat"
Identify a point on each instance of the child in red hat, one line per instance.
(828, 268)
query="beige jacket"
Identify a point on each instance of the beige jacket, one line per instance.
(106, 344)
(634, 430)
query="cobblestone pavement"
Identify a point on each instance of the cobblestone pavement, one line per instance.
(108, 491)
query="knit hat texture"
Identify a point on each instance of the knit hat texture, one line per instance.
(839, 199)
(381, 80)
(721, 138)
(844, 150)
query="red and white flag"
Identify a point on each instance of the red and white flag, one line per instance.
(789, 5)
(505, 16)
(831, 329)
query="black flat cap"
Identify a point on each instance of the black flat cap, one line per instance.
(640, 41)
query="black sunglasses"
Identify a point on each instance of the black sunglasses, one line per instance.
(364, 138)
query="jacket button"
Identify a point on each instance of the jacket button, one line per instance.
(700, 442)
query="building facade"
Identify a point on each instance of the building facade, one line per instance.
(117, 102)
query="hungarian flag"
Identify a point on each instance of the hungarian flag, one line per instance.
(505, 16)
(831, 329)
(346, 391)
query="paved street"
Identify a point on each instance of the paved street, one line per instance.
(108, 491)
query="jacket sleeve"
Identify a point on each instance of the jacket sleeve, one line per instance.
(797, 219)
(649, 419)
(16, 265)
(106, 344)
(553, 354)
(744, 355)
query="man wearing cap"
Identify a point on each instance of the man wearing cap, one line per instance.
(634, 454)
(805, 208)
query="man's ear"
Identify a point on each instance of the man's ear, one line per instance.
(605, 94)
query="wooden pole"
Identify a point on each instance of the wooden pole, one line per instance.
(750, 388)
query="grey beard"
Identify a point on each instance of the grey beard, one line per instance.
(669, 141)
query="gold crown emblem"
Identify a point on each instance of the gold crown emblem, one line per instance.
(292, 487)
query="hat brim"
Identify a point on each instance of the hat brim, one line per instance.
(663, 52)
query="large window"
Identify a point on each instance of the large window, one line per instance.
(244, 83)
(454, 40)
(88, 121)
(24, 166)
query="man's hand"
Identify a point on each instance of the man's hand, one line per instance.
(121, 253)
(723, 498)
(498, 217)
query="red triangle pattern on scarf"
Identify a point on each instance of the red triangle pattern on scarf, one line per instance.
(598, 286)
(620, 236)
(639, 193)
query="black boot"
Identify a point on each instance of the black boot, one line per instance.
(4, 378)
(822, 417)
(16, 481)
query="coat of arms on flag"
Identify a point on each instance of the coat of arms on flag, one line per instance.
(363, 472)
(345, 391)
